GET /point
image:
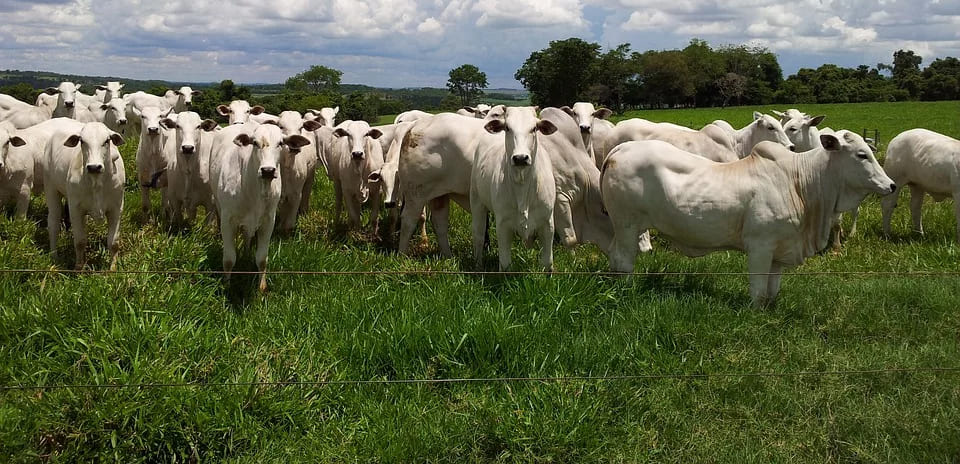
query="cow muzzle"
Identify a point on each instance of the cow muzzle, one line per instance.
(585, 129)
(520, 160)
(68, 104)
(94, 168)
(153, 130)
(792, 148)
(268, 173)
(893, 188)
(188, 149)
(357, 155)
(121, 121)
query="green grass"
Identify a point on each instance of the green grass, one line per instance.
(61, 329)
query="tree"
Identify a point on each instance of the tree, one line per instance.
(467, 82)
(731, 85)
(665, 78)
(560, 73)
(614, 78)
(316, 79)
(22, 91)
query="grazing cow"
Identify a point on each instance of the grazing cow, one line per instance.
(584, 114)
(325, 116)
(245, 172)
(239, 111)
(16, 170)
(297, 169)
(479, 112)
(181, 99)
(775, 206)
(930, 164)
(84, 166)
(355, 155)
(703, 142)
(410, 116)
(150, 159)
(514, 179)
(182, 147)
(388, 178)
(763, 128)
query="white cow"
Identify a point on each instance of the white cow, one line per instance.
(185, 188)
(34, 150)
(355, 155)
(479, 112)
(239, 111)
(703, 142)
(66, 101)
(181, 99)
(930, 164)
(801, 128)
(136, 102)
(245, 172)
(410, 116)
(584, 114)
(514, 180)
(61, 101)
(150, 159)
(763, 128)
(16, 171)
(10, 103)
(113, 113)
(85, 167)
(775, 206)
(297, 168)
(108, 92)
(326, 116)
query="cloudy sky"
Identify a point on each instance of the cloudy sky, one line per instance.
(405, 43)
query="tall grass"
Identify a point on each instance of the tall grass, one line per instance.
(89, 329)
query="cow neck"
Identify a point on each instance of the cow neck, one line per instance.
(741, 138)
(819, 195)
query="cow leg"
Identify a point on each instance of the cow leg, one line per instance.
(478, 231)
(759, 263)
(375, 209)
(113, 233)
(440, 218)
(504, 241)
(353, 212)
(773, 283)
(23, 202)
(79, 226)
(409, 217)
(337, 200)
(956, 211)
(563, 219)
(144, 200)
(836, 232)
(854, 215)
(623, 249)
(887, 205)
(263, 248)
(423, 227)
(546, 246)
(304, 207)
(916, 204)
(228, 233)
(54, 216)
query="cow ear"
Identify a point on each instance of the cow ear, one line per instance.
(197, 93)
(242, 140)
(829, 142)
(546, 127)
(104, 106)
(296, 141)
(208, 125)
(494, 126)
(340, 132)
(313, 111)
(336, 110)
(168, 112)
(17, 141)
(224, 110)
(536, 109)
(602, 113)
(72, 141)
(757, 115)
(51, 91)
(374, 133)
(779, 114)
(311, 125)
(469, 108)
(101, 87)
(168, 123)
(374, 177)
(271, 121)
(567, 109)
(816, 120)
(120, 86)
(77, 87)
(256, 110)
(117, 139)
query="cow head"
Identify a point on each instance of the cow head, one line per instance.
(852, 159)
(386, 176)
(767, 128)
(186, 95)
(584, 114)
(239, 111)
(8, 140)
(801, 129)
(111, 90)
(67, 92)
(119, 109)
(188, 126)
(95, 141)
(520, 127)
(269, 143)
(325, 116)
(150, 118)
(356, 134)
(479, 112)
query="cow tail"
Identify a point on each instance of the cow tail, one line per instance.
(603, 170)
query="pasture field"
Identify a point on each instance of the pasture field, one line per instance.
(60, 329)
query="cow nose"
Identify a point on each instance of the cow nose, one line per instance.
(188, 149)
(521, 160)
(153, 130)
(893, 188)
(268, 173)
(390, 204)
(121, 121)
(238, 122)
(94, 168)
(584, 128)
(68, 104)
(792, 147)
(357, 155)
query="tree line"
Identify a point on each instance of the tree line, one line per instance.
(700, 75)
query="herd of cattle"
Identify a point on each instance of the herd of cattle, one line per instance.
(773, 189)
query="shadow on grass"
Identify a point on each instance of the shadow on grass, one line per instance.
(241, 289)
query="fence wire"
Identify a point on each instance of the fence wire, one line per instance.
(489, 380)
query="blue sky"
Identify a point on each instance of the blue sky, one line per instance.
(407, 43)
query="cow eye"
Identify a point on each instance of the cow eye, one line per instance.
(793, 129)
(862, 155)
